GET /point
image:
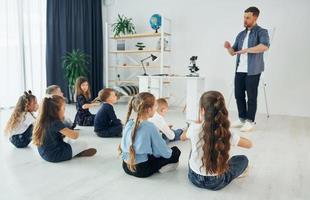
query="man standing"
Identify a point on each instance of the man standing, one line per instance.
(249, 47)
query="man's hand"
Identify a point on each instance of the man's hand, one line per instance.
(242, 51)
(227, 45)
(230, 50)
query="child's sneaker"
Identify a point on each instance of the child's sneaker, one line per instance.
(169, 167)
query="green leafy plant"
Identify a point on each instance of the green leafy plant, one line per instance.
(75, 65)
(123, 25)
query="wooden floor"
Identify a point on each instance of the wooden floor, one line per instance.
(279, 168)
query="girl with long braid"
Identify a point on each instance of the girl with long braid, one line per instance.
(143, 150)
(210, 165)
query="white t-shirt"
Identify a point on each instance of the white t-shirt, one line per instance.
(162, 125)
(195, 162)
(24, 124)
(243, 63)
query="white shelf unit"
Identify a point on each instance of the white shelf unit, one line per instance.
(126, 63)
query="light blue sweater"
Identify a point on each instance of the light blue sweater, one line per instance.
(148, 142)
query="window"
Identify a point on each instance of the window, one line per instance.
(22, 49)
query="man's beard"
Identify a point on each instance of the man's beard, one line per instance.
(246, 26)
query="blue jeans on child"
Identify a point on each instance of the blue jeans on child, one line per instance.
(237, 165)
(22, 140)
(177, 136)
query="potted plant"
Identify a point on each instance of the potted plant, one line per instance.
(123, 26)
(140, 45)
(75, 65)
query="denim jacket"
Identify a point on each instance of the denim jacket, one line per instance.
(257, 36)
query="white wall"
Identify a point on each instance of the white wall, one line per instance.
(200, 27)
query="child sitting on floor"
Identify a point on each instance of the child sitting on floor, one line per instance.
(106, 123)
(158, 119)
(49, 132)
(143, 150)
(55, 90)
(210, 165)
(20, 124)
(83, 102)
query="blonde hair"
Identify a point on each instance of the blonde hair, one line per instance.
(48, 112)
(51, 89)
(139, 104)
(162, 103)
(78, 91)
(20, 110)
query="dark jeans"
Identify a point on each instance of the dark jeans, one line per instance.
(153, 164)
(22, 140)
(249, 84)
(177, 134)
(114, 131)
(237, 165)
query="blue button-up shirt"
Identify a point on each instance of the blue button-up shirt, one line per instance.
(257, 36)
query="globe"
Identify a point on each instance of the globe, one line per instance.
(155, 22)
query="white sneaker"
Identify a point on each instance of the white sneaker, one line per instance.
(169, 167)
(237, 124)
(247, 127)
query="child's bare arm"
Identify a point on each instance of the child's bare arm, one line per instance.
(89, 105)
(69, 133)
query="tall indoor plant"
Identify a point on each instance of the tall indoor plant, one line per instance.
(75, 65)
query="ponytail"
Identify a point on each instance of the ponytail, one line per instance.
(130, 107)
(132, 154)
(48, 112)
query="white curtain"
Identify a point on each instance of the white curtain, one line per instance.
(22, 49)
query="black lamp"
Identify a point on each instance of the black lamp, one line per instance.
(144, 59)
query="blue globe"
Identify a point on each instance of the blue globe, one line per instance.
(155, 22)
